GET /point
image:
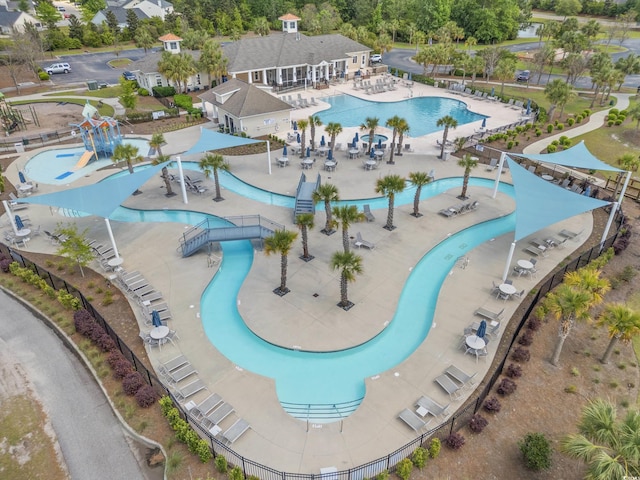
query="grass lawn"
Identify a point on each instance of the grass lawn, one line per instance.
(109, 92)
(104, 110)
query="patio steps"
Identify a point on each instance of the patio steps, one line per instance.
(304, 196)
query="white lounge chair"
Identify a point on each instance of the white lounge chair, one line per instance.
(235, 431)
(205, 407)
(432, 407)
(465, 379)
(181, 373)
(448, 385)
(171, 365)
(189, 390)
(411, 419)
(215, 417)
(367, 213)
(360, 242)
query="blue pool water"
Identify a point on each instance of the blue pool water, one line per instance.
(421, 113)
(376, 138)
(56, 167)
(336, 377)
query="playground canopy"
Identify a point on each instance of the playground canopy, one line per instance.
(210, 140)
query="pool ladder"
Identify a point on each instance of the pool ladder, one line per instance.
(462, 262)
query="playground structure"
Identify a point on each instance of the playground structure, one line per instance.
(10, 118)
(100, 135)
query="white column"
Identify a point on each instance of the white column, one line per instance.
(250, 77)
(503, 157)
(113, 241)
(509, 258)
(624, 188)
(11, 217)
(183, 188)
(612, 214)
(279, 75)
(264, 76)
(269, 156)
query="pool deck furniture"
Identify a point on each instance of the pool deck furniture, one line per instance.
(173, 364)
(219, 414)
(432, 407)
(189, 390)
(360, 242)
(177, 375)
(448, 386)
(458, 375)
(569, 234)
(367, 213)
(412, 419)
(205, 407)
(235, 431)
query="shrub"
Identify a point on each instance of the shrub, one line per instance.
(419, 457)
(235, 473)
(560, 126)
(538, 132)
(551, 148)
(83, 321)
(404, 467)
(536, 451)
(4, 264)
(121, 369)
(614, 112)
(578, 118)
(114, 357)
(506, 387)
(534, 324)
(513, 371)
(620, 245)
(627, 274)
(509, 145)
(521, 355)
(384, 475)
(526, 338)
(434, 447)
(492, 405)
(550, 128)
(146, 396)
(132, 383)
(570, 122)
(105, 343)
(221, 464)
(163, 91)
(477, 423)
(455, 441)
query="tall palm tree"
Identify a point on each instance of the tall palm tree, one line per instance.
(567, 304)
(156, 142)
(333, 129)
(389, 186)
(326, 193)
(623, 324)
(212, 61)
(468, 163)
(370, 124)
(419, 180)
(345, 215)
(305, 222)
(280, 242)
(349, 265)
(125, 152)
(402, 128)
(588, 279)
(447, 122)
(210, 164)
(302, 126)
(627, 161)
(393, 123)
(608, 446)
(314, 121)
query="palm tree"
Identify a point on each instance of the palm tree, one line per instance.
(447, 122)
(302, 126)
(468, 163)
(402, 128)
(333, 129)
(212, 61)
(419, 180)
(370, 124)
(588, 279)
(156, 142)
(558, 93)
(305, 222)
(567, 304)
(280, 242)
(314, 121)
(210, 164)
(349, 265)
(607, 446)
(393, 123)
(389, 186)
(346, 215)
(623, 324)
(125, 152)
(326, 193)
(627, 161)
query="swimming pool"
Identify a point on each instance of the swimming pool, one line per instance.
(421, 113)
(47, 166)
(335, 378)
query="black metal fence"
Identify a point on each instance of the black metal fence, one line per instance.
(374, 467)
(33, 141)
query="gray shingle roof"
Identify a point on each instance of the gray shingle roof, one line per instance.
(288, 49)
(149, 63)
(121, 13)
(245, 101)
(7, 18)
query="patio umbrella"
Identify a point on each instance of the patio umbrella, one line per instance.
(308, 152)
(409, 77)
(21, 177)
(529, 107)
(587, 191)
(484, 122)
(19, 224)
(330, 155)
(355, 142)
(155, 319)
(298, 139)
(482, 329)
(356, 138)
(295, 126)
(372, 154)
(380, 143)
(322, 142)
(493, 91)
(284, 151)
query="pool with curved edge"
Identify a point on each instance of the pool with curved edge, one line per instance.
(332, 377)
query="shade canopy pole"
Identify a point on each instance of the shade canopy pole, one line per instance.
(113, 240)
(269, 156)
(11, 217)
(183, 189)
(612, 214)
(503, 157)
(624, 188)
(505, 274)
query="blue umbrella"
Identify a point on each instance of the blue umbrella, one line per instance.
(380, 143)
(19, 224)
(493, 91)
(409, 76)
(484, 122)
(21, 177)
(587, 191)
(322, 143)
(330, 155)
(155, 319)
(355, 142)
(308, 152)
(298, 138)
(295, 126)
(356, 138)
(284, 151)
(529, 107)
(482, 329)
(372, 154)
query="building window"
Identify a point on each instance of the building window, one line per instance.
(173, 45)
(256, 76)
(158, 80)
(364, 59)
(284, 25)
(355, 59)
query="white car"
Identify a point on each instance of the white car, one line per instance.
(376, 58)
(58, 68)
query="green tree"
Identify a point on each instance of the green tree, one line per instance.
(280, 242)
(419, 180)
(468, 163)
(156, 142)
(48, 14)
(177, 68)
(261, 26)
(568, 8)
(125, 152)
(505, 71)
(144, 39)
(402, 128)
(388, 186)
(212, 61)
(558, 93)
(370, 124)
(132, 22)
(628, 161)
(326, 193)
(393, 123)
(447, 122)
(210, 164)
(566, 304)
(302, 126)
(128, 97)
(346, 215)
(74, 245)
(314, 121)
(589, 280)
(608, 446)
(349, 265)
(622, 323)
(305, 222)
(333, 129)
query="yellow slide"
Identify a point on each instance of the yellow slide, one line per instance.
(84, 159)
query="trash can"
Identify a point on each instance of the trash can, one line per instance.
(92, 85)
(445, 156)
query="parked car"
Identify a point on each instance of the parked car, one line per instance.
(376, 58)
(58, 68)
(129, 76)
(67, 15)
(61, 9)
(523, 76)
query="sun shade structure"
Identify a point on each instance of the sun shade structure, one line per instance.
(210, 140)
(577, 156)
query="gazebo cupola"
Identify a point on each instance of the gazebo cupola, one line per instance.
(171, 42)
(289, 23)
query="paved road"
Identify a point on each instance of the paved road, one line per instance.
(91, 438)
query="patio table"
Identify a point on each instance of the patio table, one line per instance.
(475, 342)
(158, 333)
(329, 166)
(526, 264)
(307, 163)
(369, 164)
(353, 153)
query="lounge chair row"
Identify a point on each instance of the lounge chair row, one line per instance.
(149, 299)
(454, 380)
(15, 204)
(460, 209)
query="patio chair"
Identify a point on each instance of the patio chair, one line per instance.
(458, 375)
(189, 390)
(215, 417)
(360, 242)
(206, 406)
(313, 101)
(493, 164)
(181, 373)
(407, 148)
(173, 364)
(367, 213)
(488, 314)
(411, 419)
(433, 407)
(519, 294)
(449, 386)
(569, 234)
(235, 431)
